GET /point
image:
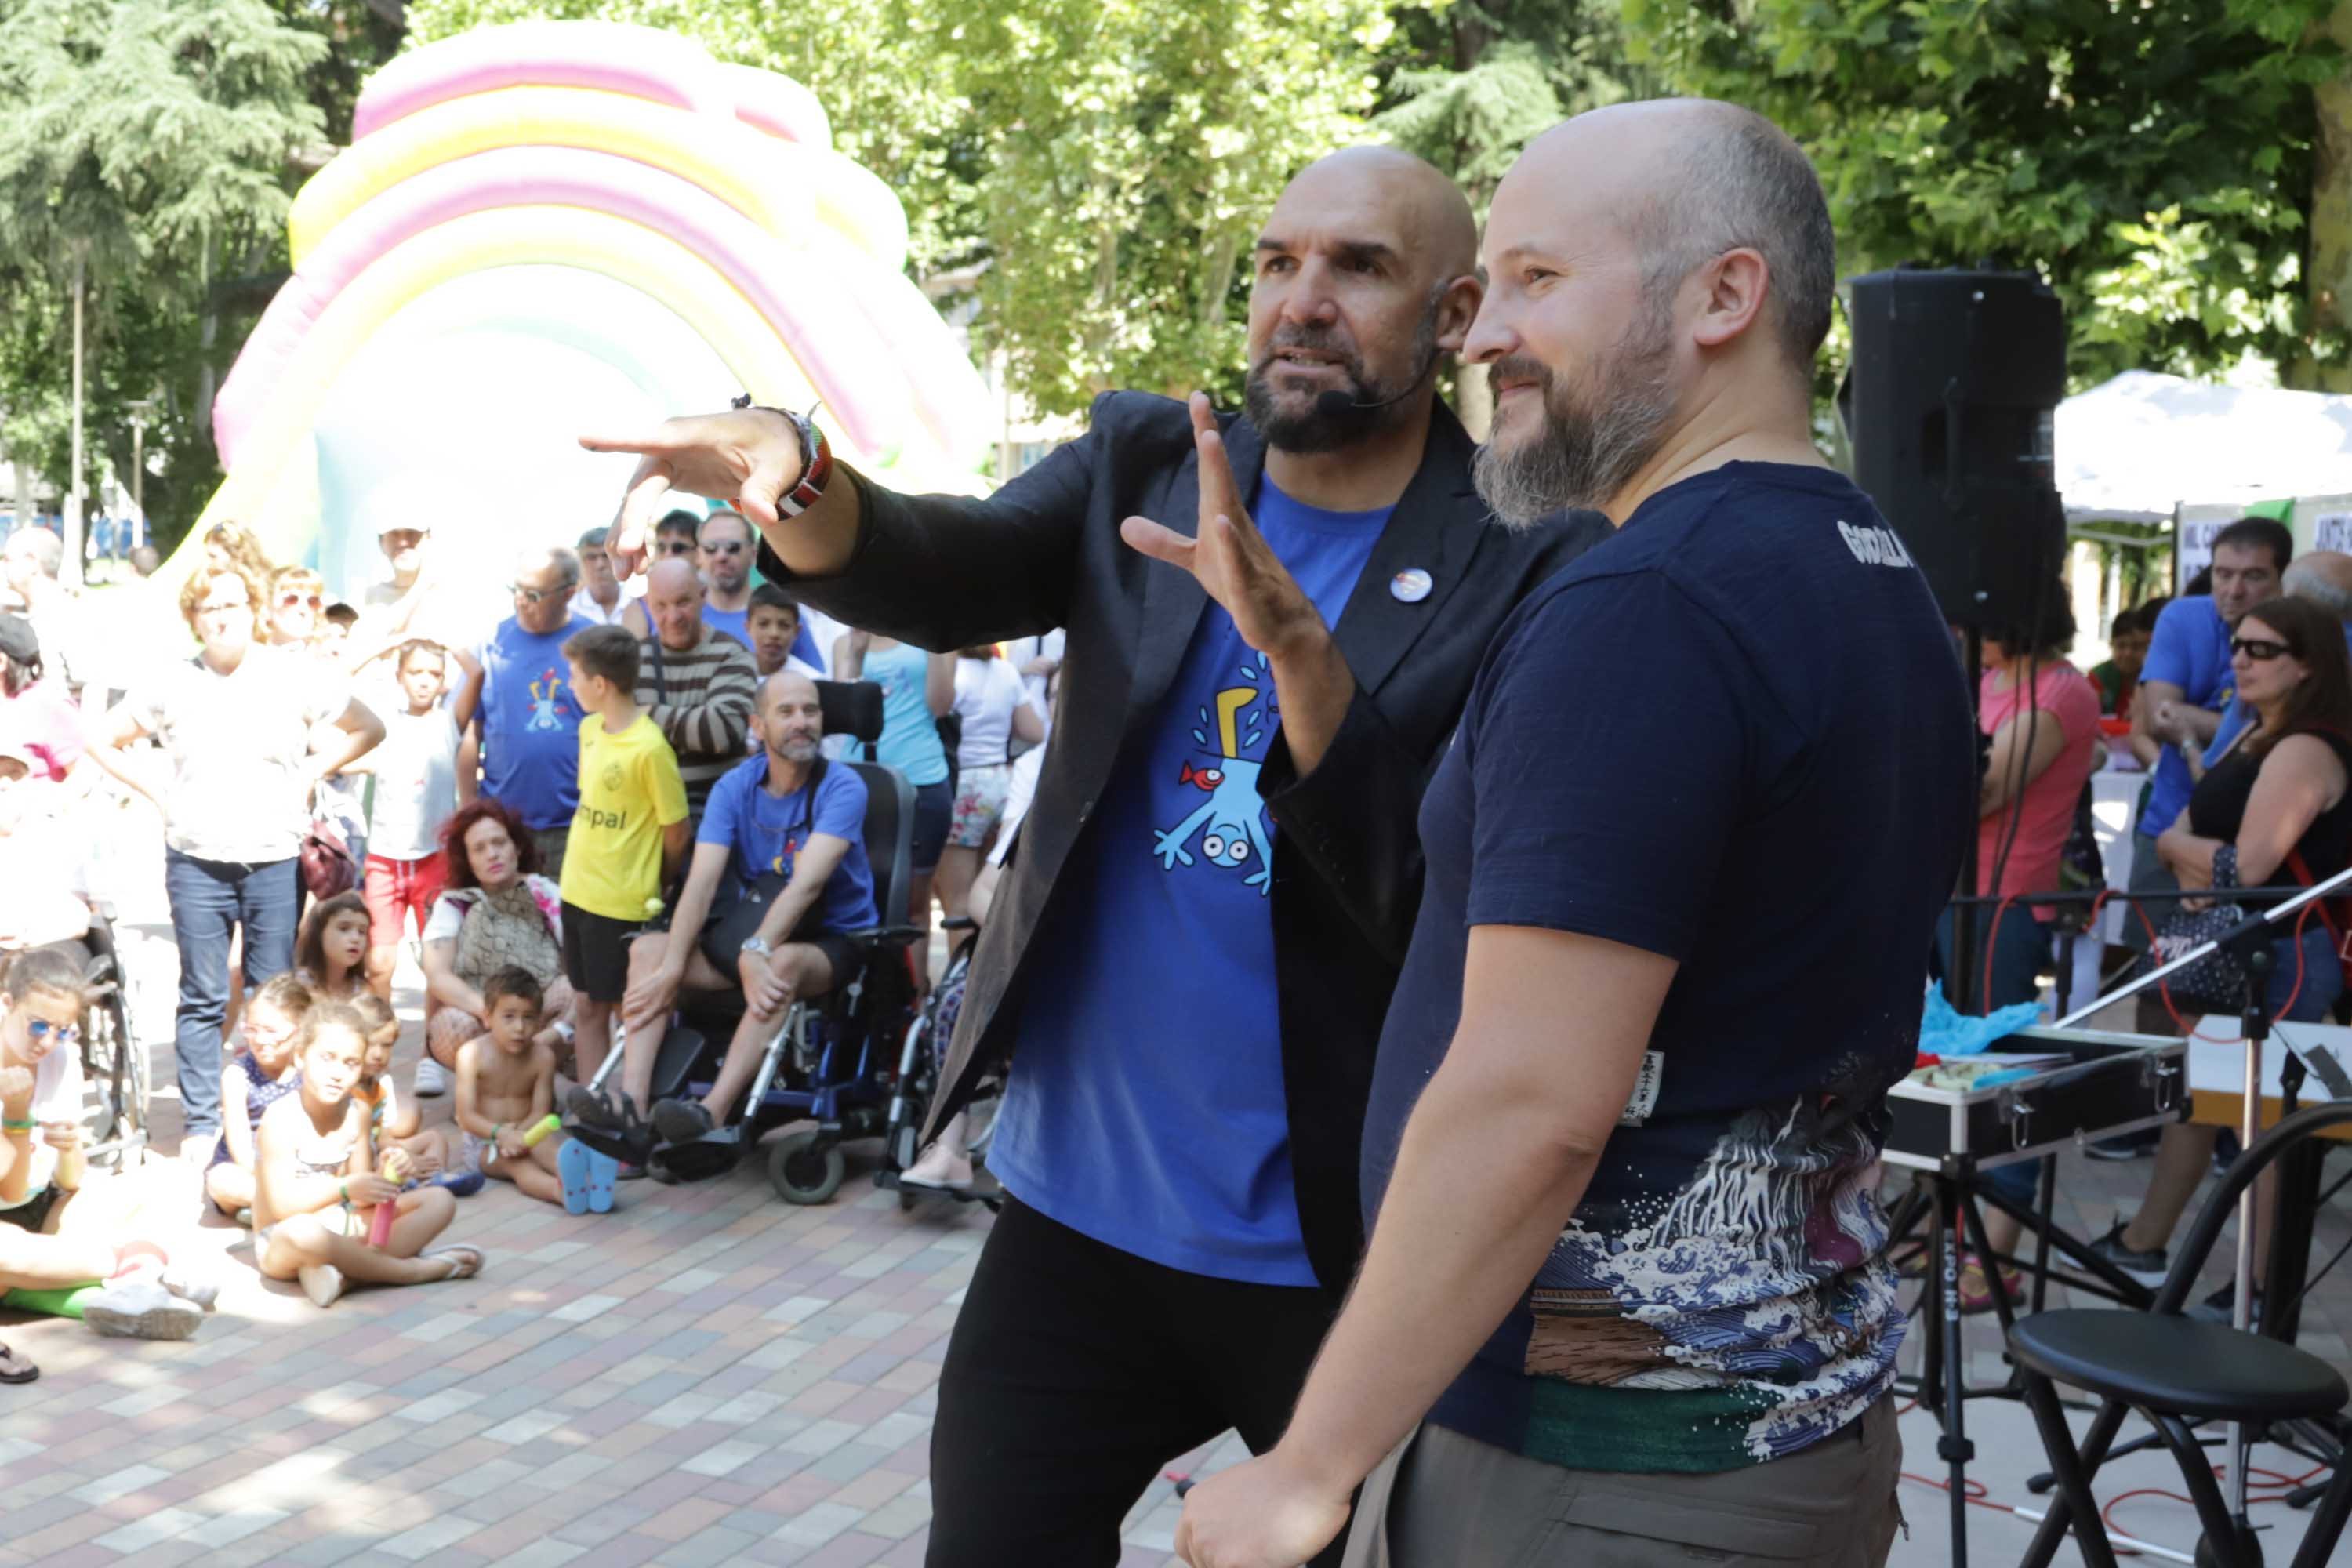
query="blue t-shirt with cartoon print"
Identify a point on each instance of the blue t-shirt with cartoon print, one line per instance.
(531, 723)
(1145, 1107)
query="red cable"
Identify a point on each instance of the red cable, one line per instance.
(2164, 991)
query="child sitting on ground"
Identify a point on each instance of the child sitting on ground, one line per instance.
(506, 1085)
(317, 1184)
(396, 1124)
(332, 953)
(260, 1075)
(44, 1266)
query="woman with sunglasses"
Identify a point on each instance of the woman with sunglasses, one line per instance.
(2276, 807)
(50, 1262)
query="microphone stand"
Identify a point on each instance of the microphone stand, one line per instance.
(2250, 941)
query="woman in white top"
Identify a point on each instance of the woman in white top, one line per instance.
(250, 732)
(995, 710)
(414, 793)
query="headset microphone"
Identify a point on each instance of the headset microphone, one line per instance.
(1338, 405)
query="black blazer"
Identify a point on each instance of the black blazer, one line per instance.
(945, 571)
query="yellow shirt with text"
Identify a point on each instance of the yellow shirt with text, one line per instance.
(629, 791)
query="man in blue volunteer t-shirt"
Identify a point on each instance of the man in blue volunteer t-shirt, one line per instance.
(2185, 686)
(521, 718)
(779, 872)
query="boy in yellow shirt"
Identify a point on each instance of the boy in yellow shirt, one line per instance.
(628, 838)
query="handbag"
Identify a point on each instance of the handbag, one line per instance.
(328, 868)
(2215, 982)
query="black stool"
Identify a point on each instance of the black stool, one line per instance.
(2174, 1371)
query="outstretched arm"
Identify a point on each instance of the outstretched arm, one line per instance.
(940, 572)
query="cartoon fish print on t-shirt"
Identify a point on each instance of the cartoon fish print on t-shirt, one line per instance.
(1231, 823)
(547, 704)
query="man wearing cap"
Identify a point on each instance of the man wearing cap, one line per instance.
(1192, 951)
(34, 707)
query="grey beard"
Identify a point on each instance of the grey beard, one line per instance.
(1594, 438)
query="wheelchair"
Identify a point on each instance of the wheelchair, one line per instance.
(113, 1063)
(828, 1061)
(921, 1059)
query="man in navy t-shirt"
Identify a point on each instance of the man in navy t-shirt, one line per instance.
(1197, 935)
(521, 719)
(1686, 853)
(779, 872)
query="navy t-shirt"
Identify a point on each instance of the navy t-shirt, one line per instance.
(1735, 735)
(1145, 1107)
(766, 833)
(531, 723)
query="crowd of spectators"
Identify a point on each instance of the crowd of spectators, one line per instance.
(338, 781)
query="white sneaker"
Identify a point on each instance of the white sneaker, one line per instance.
(322, 1282)
(199, 1290)
(432, 1079)
(140, 1309)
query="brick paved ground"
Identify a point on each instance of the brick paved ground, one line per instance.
(708, 1376)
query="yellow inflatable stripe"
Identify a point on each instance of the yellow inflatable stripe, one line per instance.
(772, 183)
(574, 236)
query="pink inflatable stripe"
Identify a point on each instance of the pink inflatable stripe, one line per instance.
(798, 291)
(613, 56)
(776, 103)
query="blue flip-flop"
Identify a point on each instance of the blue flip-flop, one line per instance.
(574, 1163)
(603, 1172)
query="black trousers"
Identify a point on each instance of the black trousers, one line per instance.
(1076, 1371)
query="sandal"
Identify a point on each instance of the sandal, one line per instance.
(603, 1172)
(14, 1368)
(571, 1166)
(465, 1262)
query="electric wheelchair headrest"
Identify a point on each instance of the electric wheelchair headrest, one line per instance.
(852, 707)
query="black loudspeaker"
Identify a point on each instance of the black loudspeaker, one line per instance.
(1955, 381)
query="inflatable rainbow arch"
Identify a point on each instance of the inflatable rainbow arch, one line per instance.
(556, 227)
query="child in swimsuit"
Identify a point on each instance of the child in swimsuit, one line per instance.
(396, 1124)
(261, 1074)
(317, 1186)
(506, 1083)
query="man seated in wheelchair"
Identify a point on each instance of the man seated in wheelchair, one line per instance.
(43, 895)
(779, 872)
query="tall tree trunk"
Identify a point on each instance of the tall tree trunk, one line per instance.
(70, 571)
(208, 332)
(2330, 274)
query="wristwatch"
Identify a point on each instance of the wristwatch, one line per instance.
(817, 459)
(758, 945)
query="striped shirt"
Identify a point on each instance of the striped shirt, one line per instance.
(702, 699)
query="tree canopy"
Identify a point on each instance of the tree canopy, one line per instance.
(1093, 170)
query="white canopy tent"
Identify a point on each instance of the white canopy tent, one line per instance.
(2143, 446)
